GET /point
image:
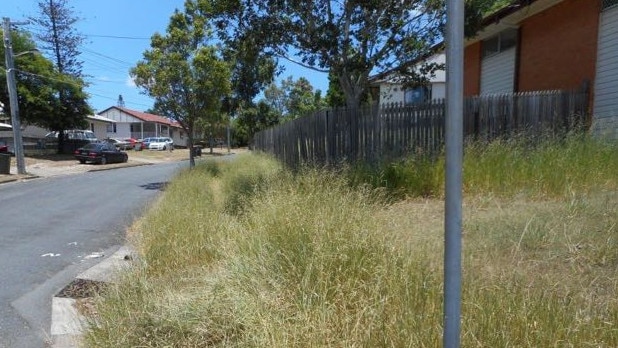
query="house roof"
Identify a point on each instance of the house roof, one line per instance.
(146, 117)
(100, 118)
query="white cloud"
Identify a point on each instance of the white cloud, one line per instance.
(130, 82)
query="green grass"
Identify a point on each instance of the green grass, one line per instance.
(551, 168)
(554, 168)
(247, 254)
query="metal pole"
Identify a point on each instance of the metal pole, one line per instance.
(453, 167)
(10, 81)
(228, 134)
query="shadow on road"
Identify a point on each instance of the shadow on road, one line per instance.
(155, 186)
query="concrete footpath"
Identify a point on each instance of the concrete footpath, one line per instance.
(67, 323)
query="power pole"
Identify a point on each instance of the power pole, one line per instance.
(453, 169)
(10, 82)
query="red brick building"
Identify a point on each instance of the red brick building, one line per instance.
(536, 45)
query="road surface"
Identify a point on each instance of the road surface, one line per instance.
(49, 227)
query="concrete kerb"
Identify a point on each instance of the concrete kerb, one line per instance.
(67, 323)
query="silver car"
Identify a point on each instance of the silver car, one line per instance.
(161, 143)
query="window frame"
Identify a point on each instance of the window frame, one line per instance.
(112, 129)
(499, 43)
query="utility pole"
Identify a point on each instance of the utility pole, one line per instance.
(10, 82)
(453, 169)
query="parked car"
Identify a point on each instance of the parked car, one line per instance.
(119, 144)
(161, 143)
(145, 142)
(4, 148)
(102, 153)
(132, 142)
(74, 134)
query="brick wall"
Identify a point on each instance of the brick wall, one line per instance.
(558, 46)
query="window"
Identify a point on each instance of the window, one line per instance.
(417, 95)
(500, 42)
(111, 128)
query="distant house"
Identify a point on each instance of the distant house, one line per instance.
(534, 45)
(139, 125)
(388, 87)
(99, 125)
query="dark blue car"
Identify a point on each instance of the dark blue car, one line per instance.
(102, 153)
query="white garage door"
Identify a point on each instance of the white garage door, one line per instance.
(498, 72)
(606, 84)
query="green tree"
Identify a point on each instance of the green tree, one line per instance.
(302, 99)
(37, 83)
(293, 99)
(254, 119)
(185, 75)
(349, 39)
(60, 41)
(334, 96)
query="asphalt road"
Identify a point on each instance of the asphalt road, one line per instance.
(49, 227)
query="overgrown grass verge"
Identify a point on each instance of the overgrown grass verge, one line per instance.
(246, 254)
(553, 168)
(539, 169)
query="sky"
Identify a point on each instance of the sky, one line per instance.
(117, 33)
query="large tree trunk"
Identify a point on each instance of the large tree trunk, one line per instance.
(353, 88)
(190, 146)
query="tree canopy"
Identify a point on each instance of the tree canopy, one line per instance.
(184, 72)
(60, 41)
(38, 83)
(348, 39)
(293, 98)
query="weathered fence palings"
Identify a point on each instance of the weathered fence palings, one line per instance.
(374, 132)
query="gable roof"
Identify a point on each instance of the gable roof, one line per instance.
(146, 117)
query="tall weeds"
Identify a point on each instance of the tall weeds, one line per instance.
(247, 254)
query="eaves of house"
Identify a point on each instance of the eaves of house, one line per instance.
(510, 16)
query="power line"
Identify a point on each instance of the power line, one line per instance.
(78, 85)
(107, 57)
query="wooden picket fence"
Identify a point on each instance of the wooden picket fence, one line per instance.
(373, 133)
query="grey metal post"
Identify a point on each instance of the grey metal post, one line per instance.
(453, 167)
(10, 82)
(229, 120)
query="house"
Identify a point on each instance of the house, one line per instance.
(534, 45)
(139, 125)
(99, 125)
(388, 87)
(538, 45)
